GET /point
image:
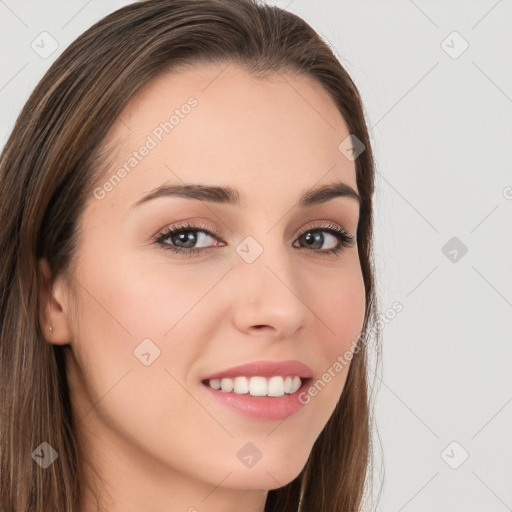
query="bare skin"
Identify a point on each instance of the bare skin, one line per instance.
(153, 433)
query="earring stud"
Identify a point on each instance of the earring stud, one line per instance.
(51, 328)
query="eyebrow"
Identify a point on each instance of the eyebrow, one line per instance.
(231, 196)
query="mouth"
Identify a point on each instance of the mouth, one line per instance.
(264, 391)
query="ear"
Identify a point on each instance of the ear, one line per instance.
(54, 310)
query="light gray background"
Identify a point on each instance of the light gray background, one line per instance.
(442, 134)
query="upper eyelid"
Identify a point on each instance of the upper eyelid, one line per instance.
(191, 226)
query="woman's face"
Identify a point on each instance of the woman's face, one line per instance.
(153, 323)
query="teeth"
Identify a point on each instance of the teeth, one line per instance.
(226, 384)
(258, 386)
(296, 383)
(215, 383)
(275, 386)
(241, 385)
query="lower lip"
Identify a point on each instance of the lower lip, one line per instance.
(260, 407)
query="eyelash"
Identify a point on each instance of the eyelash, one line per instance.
(344, 239)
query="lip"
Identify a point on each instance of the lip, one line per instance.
(265, 369)
(262, 407)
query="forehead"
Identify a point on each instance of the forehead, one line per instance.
(221, 125)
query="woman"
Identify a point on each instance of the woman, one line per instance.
(187, 275)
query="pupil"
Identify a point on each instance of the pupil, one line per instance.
(184, 237)
(312, 238)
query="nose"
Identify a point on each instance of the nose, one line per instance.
(268, 298)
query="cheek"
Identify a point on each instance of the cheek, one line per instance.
(120, 306)
(123, 306)
(147, 298)
(338, 300)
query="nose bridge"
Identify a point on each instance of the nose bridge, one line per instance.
(265, 259)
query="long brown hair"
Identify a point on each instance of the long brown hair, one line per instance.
(48, 169)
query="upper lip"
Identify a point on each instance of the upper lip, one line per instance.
(265, 369)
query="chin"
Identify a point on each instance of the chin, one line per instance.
(265, 476)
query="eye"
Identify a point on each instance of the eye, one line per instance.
(314, 238)
(189, 239)
(183, 238)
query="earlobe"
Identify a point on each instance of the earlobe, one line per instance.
(52, 316)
